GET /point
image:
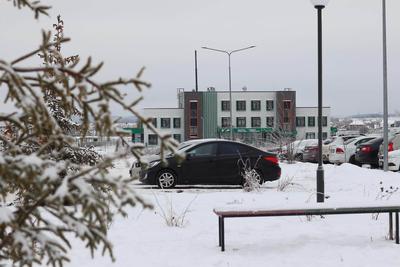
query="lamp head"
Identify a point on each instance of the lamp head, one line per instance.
(319, 3)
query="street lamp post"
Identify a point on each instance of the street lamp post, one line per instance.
(385, 92)
(229, 53)
(319, 5)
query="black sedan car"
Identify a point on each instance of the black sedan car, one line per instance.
(367, 153)
(211, 162)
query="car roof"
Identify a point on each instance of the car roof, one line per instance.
(208, 140)
(364, 137)
(377, 139)
(196, 142)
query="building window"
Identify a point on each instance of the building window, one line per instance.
(165, 123)
(177, 122)
(193, 130)
(324, 121)
(287, 104)
(225, 122)
(193, 123)
(255, 105)
(225, 105)
(270, 121)
(193, 108)
(310, 135)
(255, 122)
(241, 122)
(241, 105)
(285, 119)
(270, 104)
(324, 135)
(153, 139)
(300, 121)
(311, 121)
(154, 122)
(177, 137)
(193, 105)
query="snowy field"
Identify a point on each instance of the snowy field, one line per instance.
(144, 239)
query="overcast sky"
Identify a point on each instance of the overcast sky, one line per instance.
(163, 35)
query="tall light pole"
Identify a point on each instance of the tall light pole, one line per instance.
(319, 5)
(385, 94)
(229, 53)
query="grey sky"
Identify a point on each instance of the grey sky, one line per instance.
(162, 36)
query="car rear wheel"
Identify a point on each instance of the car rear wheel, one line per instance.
(166, 179)
(353, 160)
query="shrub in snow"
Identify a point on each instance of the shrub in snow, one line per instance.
(386, 192)
(64, 191)
(170, 214)
(251, 177)
(285, 182)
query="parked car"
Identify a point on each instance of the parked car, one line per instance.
(338, 142)
(393, 143)
(346, 152)
(310, 152)
(367, 153)
(136, 166)
(393, 160)
(211, 162)
(325, 148)
(296, 148)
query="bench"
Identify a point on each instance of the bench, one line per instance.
(237, 213)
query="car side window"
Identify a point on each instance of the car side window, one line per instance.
(363, 141)
(232, 149)
(204, 150)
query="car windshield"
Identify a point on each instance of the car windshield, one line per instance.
(183, 146)
(328, 141)
(348, 141)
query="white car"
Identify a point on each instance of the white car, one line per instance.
(344, 151)
(325, 149)
(393, 160)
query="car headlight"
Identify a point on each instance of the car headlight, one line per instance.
(154, 163)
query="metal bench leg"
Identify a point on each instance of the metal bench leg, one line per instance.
(222, 235)
(390, 225)
(219, 230)
(397, 228)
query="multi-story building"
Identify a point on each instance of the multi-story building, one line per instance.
(256, 116)
(307, 122)
(166, 120)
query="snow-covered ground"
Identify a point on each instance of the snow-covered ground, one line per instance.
(143, 239)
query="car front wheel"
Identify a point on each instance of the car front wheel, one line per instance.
(298, 157)
(166, 179)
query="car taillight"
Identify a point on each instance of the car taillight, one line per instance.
(366, 149)
(272, 159)
(390, 146)
(339, 150)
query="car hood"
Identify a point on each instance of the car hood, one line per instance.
(154, 157)
(148, 158)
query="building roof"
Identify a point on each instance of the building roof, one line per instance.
(313, 107)
(162, 108)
